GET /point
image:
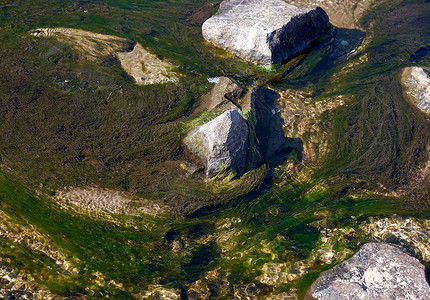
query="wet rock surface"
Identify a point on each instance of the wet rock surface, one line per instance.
(265, 32)
(377, 271)
(13, 286)
(225, 91)
(221, 143)
(284, 118)
(146, 68)
(160, 293)
(246, 291)
(407, 233)
(291, 295)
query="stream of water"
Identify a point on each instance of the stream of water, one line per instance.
(377, 142)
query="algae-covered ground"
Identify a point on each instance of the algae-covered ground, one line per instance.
(70, 122)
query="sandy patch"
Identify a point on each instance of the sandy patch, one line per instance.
(143, 66)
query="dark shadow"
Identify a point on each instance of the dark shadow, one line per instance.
(201, 229)
(418, 55)
(302, 239)
(316, 68)
(197, 16)
(427, 271)
(204, 211)
(171, 236)
(190, 233)
(200, 260)
(274, 146)
(233, 100)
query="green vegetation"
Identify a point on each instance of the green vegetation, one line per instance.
(69, 121)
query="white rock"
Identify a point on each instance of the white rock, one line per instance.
(265, 31)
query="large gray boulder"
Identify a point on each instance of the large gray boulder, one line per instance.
(377, 271)
(221, 143)
(265, 31)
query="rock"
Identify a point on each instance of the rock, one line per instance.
(412, 237)
(290, 295)
(157, 292)
(416, 81)
(97, 199)
(377, 271)
(196, 294)
(144, 67)
(14, 285)
(265, 32)
(221, 143)
(224, 91)
(246, 292)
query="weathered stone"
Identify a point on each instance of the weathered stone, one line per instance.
(417, 83)
(96, 199)
(377, 271)
(224, 91)
(265, 32)
(221, 143)
(246, 292)
(290, 295)
(144, 67)
(157, 292)
(409, 234)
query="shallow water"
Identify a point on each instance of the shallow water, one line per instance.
(377, 139)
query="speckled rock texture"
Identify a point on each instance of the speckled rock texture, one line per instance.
(417, 83)
(221, 143)
(265, 31)
(377, 271)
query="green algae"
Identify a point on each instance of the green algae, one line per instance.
(376, 137)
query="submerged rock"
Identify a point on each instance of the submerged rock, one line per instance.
(417, 83)
(377, 271)
(411, 235)
(221, 143)
(265, 32)
(224, 91)
(144, 67)
(158, 292)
